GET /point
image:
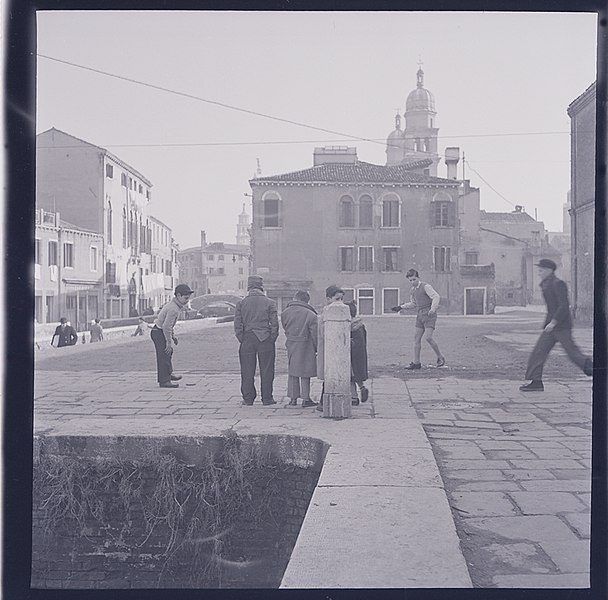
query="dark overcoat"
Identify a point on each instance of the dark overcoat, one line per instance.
(299, 321)
(358, 350)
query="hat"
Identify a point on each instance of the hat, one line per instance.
(183, 290)
(255, 282)
(63, 320)
(545, 263)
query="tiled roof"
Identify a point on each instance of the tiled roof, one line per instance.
(360, 172)
(512, 217)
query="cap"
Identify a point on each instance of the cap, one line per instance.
(255, 281)
(545, 263)
(63, 320)
(183, 290)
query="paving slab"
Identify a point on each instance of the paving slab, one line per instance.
(482, 503)
(570, 580)
(543, 503)
(580, 522)
(532, 528)
(571, 556)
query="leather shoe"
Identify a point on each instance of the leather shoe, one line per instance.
(412, 366)
(355, 401)
(364, 394)
(293, 402)
(269, 402)
(175, 377)
(247, 403)
(441, 361)
(168, 384)
(308, 403)
(533, 386)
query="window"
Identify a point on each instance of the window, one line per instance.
(390, 298)
(347, 258)
(109, 223)
(220, 257)
(390, 257)
(442, 210)
(141, 189)
(123, 179)
(366, 258)
(38, 309)
(390, 213)
(270, 210)
(37, 251)
(241, 285)
(211, 257)
(365, 301)
(70, 302)
(471, 258)
(347, 212)
(53, 251)
(94, 258)
(211, 271)
(68, 255)
(110, 272)
(148, 194)
(109, 171)
(442, 258)
(366, 212)
(349, 294)
(220, 271)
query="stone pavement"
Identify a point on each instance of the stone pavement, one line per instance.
(379, 502)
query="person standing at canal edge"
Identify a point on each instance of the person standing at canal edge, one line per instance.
(299, 321)
(66, 333)
(256, 326)
(96, 331)
(426, 302)
(358, 356)
(164, 338)
(557, 328)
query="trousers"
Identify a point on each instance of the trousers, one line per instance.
(253, 350)
(545, 343)
(164, 365)
(298, 387)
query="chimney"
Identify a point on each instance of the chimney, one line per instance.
(452, 157)
(203, 239)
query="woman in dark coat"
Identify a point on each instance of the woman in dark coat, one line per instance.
(358, 356)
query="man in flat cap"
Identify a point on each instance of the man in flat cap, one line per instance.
(65, 333)
(164, 338)
(557, 328)
(256, 326)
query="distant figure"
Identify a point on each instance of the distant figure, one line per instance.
(256, 326)
(332, 294)
(557, 328)
(66, 333)
(299, 321)
(141, 327)
(164, 338)
(426, 301)
(358, 356)
(96, 331)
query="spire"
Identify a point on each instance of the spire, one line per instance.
(398, 120)
(420, 75)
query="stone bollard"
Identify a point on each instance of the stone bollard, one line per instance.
(336, 338)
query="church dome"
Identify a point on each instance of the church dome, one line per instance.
(420, 98)
(397, 134)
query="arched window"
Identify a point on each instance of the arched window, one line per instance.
(390, 211)
(109, 224)
(271, 204)
(366, 211)
(346, 212)
(442, 210)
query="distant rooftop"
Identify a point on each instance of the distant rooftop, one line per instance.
(510, 217)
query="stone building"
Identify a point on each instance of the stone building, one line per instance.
(68, 271)
(582, 113)
(97, 191)
(216, 268)
(562, 242)
(357, 224)
(161, 278)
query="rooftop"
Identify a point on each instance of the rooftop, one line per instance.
(510, 217)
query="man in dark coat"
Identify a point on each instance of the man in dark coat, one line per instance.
(358, 356)
(557, 328)
(299, 321)
(256, 326)
(66, 333)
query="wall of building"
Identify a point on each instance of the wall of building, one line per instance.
(306, 246)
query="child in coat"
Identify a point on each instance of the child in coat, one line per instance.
(358, 356)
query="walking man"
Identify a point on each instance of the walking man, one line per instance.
(299, 320)
(164, 338)
(426, 301)
(96, 331)
(66, 333)
(256, 326)
(557, 328)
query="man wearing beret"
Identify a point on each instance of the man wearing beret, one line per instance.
(164, 338)
(256, 326)
(557, 328)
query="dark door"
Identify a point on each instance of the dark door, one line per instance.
(474, 302)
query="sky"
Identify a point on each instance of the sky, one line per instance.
(502, 84)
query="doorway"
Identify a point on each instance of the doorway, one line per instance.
(474, 301)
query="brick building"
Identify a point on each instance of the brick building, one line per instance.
(582, 196)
